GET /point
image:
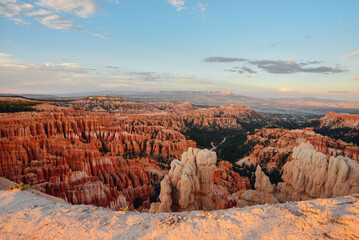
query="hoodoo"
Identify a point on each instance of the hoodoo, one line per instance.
(188, 185)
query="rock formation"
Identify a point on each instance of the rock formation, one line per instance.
(86, 157)
(312, 175)
(309, 175)
(334, 120)
(188, 185)
(273, 147)
(263, 193)
(228, 186)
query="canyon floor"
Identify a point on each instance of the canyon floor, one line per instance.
(29, 215)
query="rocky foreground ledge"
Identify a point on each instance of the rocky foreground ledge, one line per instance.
(27, 215)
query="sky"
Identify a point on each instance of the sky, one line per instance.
(262, 48)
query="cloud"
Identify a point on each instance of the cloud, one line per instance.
(14, 8)
(245, 69)
(288, 66)
(230, 70)
(56, 22)
(309, 63)
(99, 35)
(286, 90)
(338, 92)
(355, 79)
(178, 4)
(223, 59)
(64, 60)
(202, 6)
(48, 12)
(4, 55)
(80, 8)
(353, 54)
(146, 76)
(59, 68)
(108, 66)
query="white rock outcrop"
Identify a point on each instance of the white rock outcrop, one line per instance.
(312, 175)
(188, 185)
(309, 175)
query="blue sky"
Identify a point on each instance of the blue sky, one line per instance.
(256, 48)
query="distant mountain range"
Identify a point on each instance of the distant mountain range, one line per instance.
(298, 108)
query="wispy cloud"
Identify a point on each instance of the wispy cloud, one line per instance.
(65, 60)
(353, 54)
(355, 79)
(99, 35)
(57, 22)
(178, 4)
(109, 66)
(80, 8)
(9, 65)
(288, 66)
(224, 59)
(245, 69)
(4, 55)
(338, 92)
(45, 12)
(286, 90)
(202, 6)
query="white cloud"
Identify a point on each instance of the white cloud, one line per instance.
(99, 35)
(202, 6)
(286, 90)
(80, 8)
(48, 12)
(56, 22)
(3, 55)
(12, 8)
(353, 54)
(9, 65)
(178, 4)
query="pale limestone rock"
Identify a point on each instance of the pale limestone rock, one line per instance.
(188, 185)
(312, 175)
(309, 175)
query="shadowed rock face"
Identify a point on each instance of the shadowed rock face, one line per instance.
(309, 175)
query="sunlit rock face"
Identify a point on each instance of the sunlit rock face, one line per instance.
(86, 157)
(312, 175)
(274, 146)
(309, 175)
(188, 185)
(335, 120)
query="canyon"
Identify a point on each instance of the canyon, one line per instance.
(115, 153)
